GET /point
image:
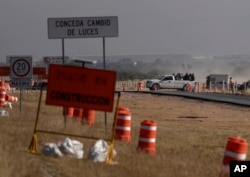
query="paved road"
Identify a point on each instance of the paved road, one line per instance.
(226, 98)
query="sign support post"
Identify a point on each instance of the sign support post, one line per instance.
(65, 119)
(63, 50)
(104, 67)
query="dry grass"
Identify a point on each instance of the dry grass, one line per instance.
(191, 136)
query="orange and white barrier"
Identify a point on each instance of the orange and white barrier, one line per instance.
(147, 139)
(139, 86)
(203, 87)
(123, 87)
(236, 150)
(68, 111)
(5, 98)
(189, 87)
(88, 116)
(11, 98)
(123, 125)
(2, 96)
(120, 108)
(77, 113)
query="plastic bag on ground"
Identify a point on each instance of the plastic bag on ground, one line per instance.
(99, 151)
(69, 147)
(51, 149)
(72, 148)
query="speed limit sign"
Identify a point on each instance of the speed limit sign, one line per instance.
(21, 67)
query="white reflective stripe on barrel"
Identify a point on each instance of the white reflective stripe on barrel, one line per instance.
(148, 127)
(148, 140)
(124, 117)
(2, 99)
(122, 128)
(2, 92)
(236, 155)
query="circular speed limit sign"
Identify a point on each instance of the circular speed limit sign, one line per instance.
(21, 68)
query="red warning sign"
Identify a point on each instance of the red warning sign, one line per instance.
(74, 86)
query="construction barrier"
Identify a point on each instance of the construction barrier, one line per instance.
(203, 87)
(2, 96)
(147, 139)
(189, 87)
(123, 125)
(77, 113)
(139, 86)
(236, 150)
(88, 116)
(68, 112)
(11, 98)
(120, 108)
(123, 87)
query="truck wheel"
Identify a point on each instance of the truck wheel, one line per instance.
(155, 87)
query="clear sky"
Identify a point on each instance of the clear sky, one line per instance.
(198, 27)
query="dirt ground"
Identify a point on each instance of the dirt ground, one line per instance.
(190, 141)
(174, 107)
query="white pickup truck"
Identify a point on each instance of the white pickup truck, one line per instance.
(169, 82)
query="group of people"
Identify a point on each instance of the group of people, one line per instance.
(182, 76)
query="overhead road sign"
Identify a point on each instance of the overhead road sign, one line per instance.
(73, 86)
(21, 67)
(82, 27)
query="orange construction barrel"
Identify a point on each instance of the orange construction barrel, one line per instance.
(11, 98)
(121, 108)
(123, 125)
(139, 86)
(236, 150)
(88, 116)
(147, 139)
(77, 113)
(68, 111)
(2, 96)
(1, 83)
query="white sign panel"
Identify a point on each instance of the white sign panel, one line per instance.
(21, 67)
(21, 83)
(82, 27)
(55, 59)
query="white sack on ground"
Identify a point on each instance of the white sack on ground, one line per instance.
(51, 149)
(67, 147)
(4, 113)
(99, 151)
(72, 148)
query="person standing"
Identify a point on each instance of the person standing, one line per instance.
(231, 85)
